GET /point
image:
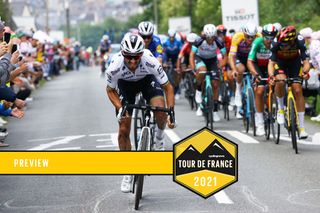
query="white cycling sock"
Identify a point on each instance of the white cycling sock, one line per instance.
(301, 119)
(280, 102)
(238, 87)
(259, 116)
(160, 133)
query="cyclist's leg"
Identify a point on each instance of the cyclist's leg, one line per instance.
(127, 93)
(259, 99)
(297, 92)
(212, 65)
(241, 68)
(280, 74)
(232, 87)
(201, 69)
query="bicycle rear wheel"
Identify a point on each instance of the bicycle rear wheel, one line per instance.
(190, 90)
(252, 111)
(293, 125)
(245, 118)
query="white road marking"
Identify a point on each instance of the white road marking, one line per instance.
(172, 135)
(96, 135)
(46, 139)
(103, 140)
(222, 197)
(241, 136)
(65, 140)
(68, 148)
(106, 146)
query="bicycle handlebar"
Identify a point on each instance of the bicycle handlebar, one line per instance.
(170, 110)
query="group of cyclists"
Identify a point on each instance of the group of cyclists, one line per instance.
(275, 53)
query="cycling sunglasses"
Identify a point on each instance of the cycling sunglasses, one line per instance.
(268, 38)
(146, 37)
(250, 37)
(132, 57)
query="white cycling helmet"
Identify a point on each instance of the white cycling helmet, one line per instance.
(250, 29)
(278, 26)
(209, 30)
(132, 44)
(146, 28)
(192, 37)
(306, 32)
(105, 37)
(171, 33)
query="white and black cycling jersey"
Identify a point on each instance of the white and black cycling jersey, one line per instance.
(148, 65)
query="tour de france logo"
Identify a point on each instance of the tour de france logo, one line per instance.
(205, 162)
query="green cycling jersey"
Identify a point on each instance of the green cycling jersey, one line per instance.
(259, 52)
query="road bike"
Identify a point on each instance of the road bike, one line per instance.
(248, 105)
(146, 140)
(207, 101)
(291, 114)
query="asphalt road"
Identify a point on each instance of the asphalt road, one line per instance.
(72, 112)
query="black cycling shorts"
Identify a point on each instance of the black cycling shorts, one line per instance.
(148, 86)
(291, 69)
(211, 65)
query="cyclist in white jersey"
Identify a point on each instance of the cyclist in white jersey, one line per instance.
(135, 70)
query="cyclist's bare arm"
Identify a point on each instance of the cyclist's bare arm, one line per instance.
(306, 66)
(160, 60)
(271, 65)
(232, 62)
(192, 60)
(224, 60)
(250, 65)
(168, 89)
(114, 97)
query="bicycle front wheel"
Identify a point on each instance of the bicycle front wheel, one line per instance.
(293, 125)
(138, 190)
(138, 123)
(252, 111)
(209, 108)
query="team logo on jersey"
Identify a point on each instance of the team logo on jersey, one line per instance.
(160, 70)
(115, 71)
(159, 48)
(150, 65)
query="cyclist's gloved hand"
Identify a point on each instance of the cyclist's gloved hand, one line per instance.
(271, 80)
(121, 114)
(306, 75)
(171, 125)
(257, 78)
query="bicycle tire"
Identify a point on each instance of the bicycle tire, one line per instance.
(209, 108)
(275, 127)
(145, 134)
(138, 190)
(225, 100)
(138, 123)
(245, 120)
(191, 91)
(293, 125)
(252, 111)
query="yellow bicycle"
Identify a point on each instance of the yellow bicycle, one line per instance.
(291, 115)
